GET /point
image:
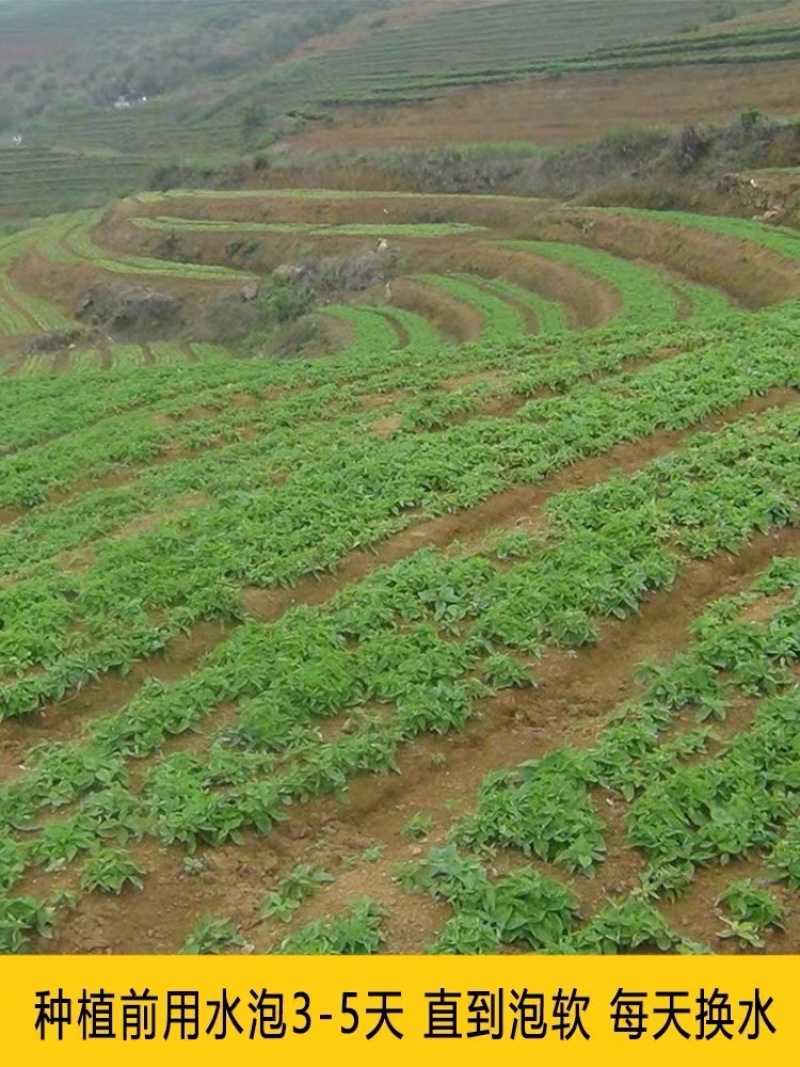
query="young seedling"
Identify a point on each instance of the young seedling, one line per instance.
(750, 911)
(418, 826)
(212, 936)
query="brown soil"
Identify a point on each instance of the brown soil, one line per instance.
(575, 107)
(386, 427)
(145, 523)
(9, 515)
(766, 606)
(753, 276)
(454, 319)
(380, 400)
(588, 299)
(337, 333)
(489, 377)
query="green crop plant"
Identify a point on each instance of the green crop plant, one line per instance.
(213, 936)
(61, 841)
(531, 910)
(524, 908)
(749, 910)
(666, 879)
(372, 853)
(784, 859)
(13, 861)
(467, 934)
(418, 827)
(356, 933)
(688, 681)
(22, 918)
(623, 926)
(110, 870)
(542, 809)
(448, 876)
(294, 889)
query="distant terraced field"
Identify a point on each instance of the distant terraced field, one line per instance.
(81, 151)
(511, 570)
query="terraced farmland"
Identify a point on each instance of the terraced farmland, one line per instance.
(206, 89)
(503, 41)
(477, 632)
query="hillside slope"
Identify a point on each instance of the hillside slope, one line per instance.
(499, 583)
(101, 97)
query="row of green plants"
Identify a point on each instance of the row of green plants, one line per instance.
(781, 239)
(501, 319)
(681, 813)
(525, 908)
(387, 641)
(68, 240)
(21, 313)
(645, 296)
(551, 316)
(258, 538)
(371, 330)
(416, 88)
(120, 398)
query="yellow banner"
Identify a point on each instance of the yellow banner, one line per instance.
(382, 1010)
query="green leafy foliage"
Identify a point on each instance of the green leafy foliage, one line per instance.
(356, 933)
(543, 809)
(213, 936)
(110, 870)
(466, 934)
(22, 918)
(748, 911)
(623, 926)
(294, 889)
(523, 908)
(418, 826)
